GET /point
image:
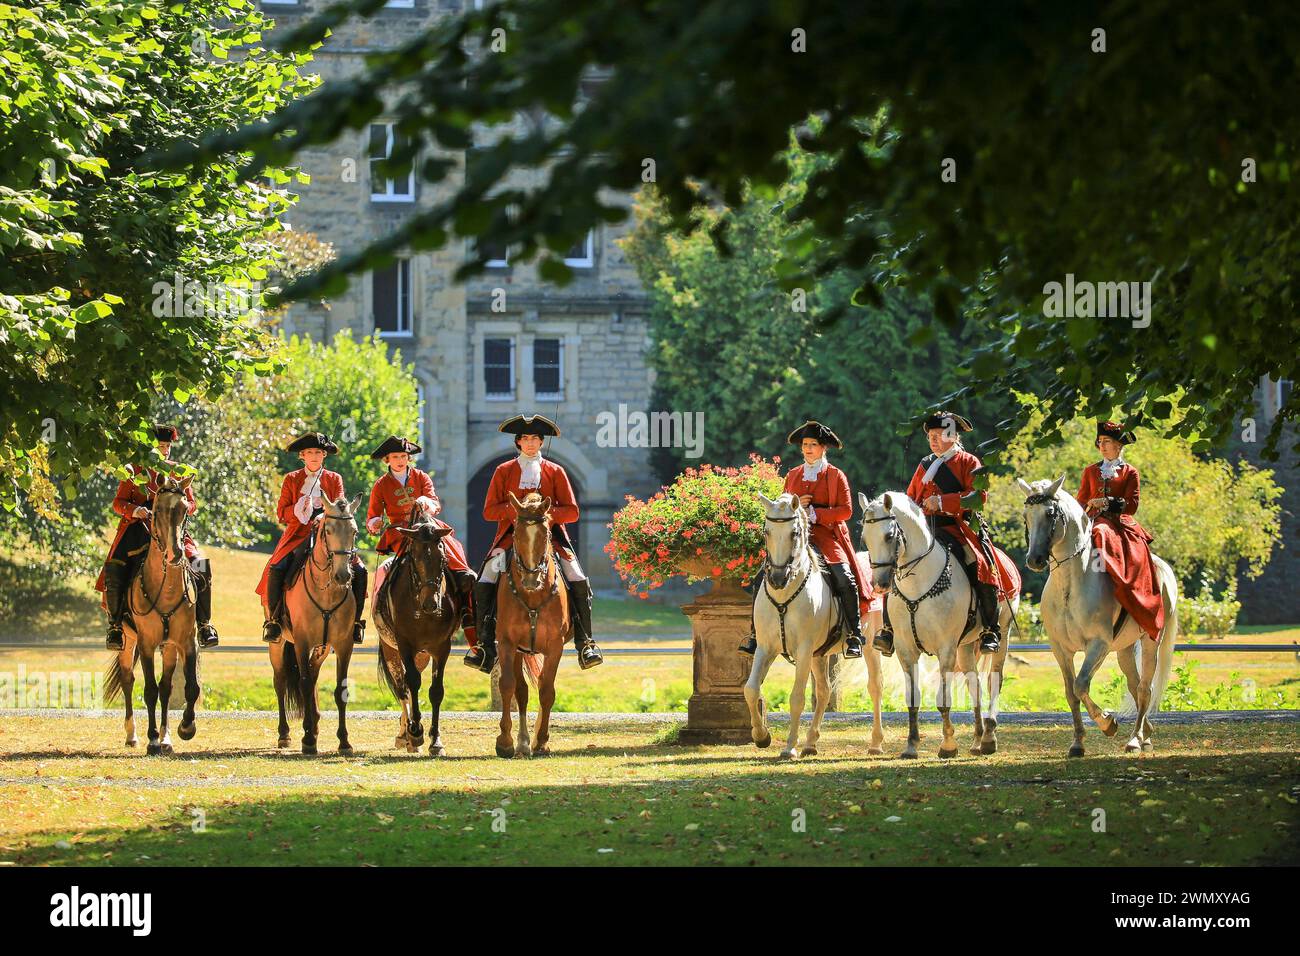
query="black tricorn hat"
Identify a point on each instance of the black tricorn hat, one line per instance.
(394, 444)
(166, 432)
(817, 432)
(313, 440)
(941, 420)
(538, 425)
(1115, 431)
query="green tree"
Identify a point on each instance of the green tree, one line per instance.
(1208, 517)
(90, 235)
(977, 152)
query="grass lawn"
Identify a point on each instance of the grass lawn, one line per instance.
(611, 795)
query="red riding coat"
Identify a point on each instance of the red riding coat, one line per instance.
(555, 485)
(833, 504)
(962, 467)
(131, 496)
(1123, 544)
(295, 532)
(390, 498)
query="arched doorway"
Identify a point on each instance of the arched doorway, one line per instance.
(480, 533)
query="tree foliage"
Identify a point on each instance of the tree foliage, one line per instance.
(1112, 156)
(88, 231)
(1210, 518)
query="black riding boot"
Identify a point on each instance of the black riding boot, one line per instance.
(884, 640)
(580, 609)
(274, 598)
(751, 643)
(846, 589)
(203, 608)
(987, 597)
(114, 592)
(463, 582)
(484, 656)
(360, 581)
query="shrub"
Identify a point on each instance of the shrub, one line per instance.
(1206, 614)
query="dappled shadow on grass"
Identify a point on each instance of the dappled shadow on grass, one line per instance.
(43, 607)
(734, 806)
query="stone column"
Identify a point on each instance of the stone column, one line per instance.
(716, 712)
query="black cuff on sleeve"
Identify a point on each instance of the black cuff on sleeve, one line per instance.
(1115, 505)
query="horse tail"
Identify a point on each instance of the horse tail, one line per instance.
(386, 675)
(1168, 636)
(293, 702)
(113, 675)
(533, 667)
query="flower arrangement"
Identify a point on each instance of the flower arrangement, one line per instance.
(707, 524)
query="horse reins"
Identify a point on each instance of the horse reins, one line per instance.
(347, 588)
(941, 584)
(783, 606)
(548, 566)
(186, 574)
(1055, 516)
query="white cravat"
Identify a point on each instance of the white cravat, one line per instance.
(530, 471)
(1109, 469)
(810, 473)
(302, 509)
(934, 465)
(400, 479)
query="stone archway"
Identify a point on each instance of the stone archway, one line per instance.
(480, 533)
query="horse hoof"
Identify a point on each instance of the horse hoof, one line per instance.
(988, 747)
(1147, 747)
(786, 755)
(808, 752)
(346, 749)
(1108, 725)
(132, 741)
(523, 751)
(436, 750)
(282, 743)
(975, 750)
(505, 752)
(153, 750)
(187, 731)
(765, 742)
(541, 751)
(875, 750)
(1133, 746)
(907, 755)
(947, 754)
(165, 750)
(309, 749)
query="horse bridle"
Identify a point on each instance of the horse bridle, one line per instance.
(783, 606)
(548, 563)
(897, 530)
(519, 561)
(330, 552)
(794, 551)
(941, 584)
(419, 584)
(1055, 516)
(186, 572)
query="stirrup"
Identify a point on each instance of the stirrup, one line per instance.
(990, 640)
(113, 641)
(271, 632)
(479, 659)
(852, 647)
(884, 641)
(589, 656)
(359, 632)
(208, 636)
(749, 646)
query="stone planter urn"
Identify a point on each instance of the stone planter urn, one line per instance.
(716, 712)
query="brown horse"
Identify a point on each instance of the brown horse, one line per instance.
(416, 614)
(532, 622)
(160, 614)
(319, 610)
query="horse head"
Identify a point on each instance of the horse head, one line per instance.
(532, 537)
(338, 531)
(1044, 513)
(424, 551)
(785, 536)
(880, 537)
(170, 508)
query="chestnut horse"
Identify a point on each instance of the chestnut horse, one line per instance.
(532, 621)
(319, 612)
(416, 614)
(160, 614)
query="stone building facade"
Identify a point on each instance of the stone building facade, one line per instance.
(501, 344)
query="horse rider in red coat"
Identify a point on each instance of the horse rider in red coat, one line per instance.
(824, 491)
(944, 487)
(530, 472)
(401, 488)
(1109, 493)
(134, 504)
(302, 495)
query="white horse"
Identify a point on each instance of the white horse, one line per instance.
(930, 604)
(794, 612)
(1079, 613)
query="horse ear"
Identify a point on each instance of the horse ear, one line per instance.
(352, 505)
(438, 533)
(405, 532)
(1024, 486)
(515, 502)
(186, 482)
(888, 501)
(768, 503)
(546, 505)
(863, 501)
(1056, 486)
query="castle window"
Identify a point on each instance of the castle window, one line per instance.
(384, 139)
(581, 254)
(392, 299)
(548, 369)
(499, 369)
